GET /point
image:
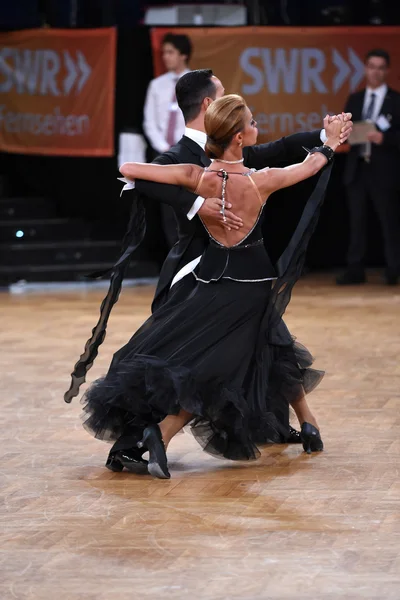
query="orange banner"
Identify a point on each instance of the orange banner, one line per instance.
(57, 92)
(290, 77)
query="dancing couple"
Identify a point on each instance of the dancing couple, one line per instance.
(221, 357)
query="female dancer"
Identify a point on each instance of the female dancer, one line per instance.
(221, 359)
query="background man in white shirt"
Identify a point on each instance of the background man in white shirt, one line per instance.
(163, 120)
(373, 171)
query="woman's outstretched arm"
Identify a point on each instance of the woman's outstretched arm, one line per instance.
(184, 175)
(270, 180)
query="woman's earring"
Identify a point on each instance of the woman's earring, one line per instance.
(240, 143)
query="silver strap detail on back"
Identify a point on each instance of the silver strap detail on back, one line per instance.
(224, 180)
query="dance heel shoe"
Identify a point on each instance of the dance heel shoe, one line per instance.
(311, 438)
(152, 439)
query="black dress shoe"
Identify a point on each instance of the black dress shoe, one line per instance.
(392, 276)
(294, 436)
(152, 440)
(131, 458)
(351, 277)
(113, 463)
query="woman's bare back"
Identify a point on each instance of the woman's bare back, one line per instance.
(242, 193)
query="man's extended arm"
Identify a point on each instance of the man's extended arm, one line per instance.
(288, 149)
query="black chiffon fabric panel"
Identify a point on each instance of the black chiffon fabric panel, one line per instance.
(290, 265)
(132, 240)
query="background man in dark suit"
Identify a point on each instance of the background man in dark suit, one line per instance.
(195, 91)
(373, 171)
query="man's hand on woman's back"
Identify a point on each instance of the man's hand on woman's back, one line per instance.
(211, 210)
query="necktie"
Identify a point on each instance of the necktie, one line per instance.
(173, 114)
(371, 106)
(365, 149)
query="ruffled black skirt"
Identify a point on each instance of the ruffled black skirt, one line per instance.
(214, 355)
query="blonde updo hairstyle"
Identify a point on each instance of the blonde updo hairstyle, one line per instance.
(224, 118)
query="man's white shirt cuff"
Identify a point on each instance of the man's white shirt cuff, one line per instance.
(129, 185)
(323, 136)
(198, 203)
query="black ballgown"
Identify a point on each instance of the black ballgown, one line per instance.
(223, 354)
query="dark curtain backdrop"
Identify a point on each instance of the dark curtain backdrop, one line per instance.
(88, 188)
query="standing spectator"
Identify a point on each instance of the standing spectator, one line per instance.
(373, 171)
(163, 120)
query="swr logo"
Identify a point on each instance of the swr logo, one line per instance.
(36, 71)
(297, 69)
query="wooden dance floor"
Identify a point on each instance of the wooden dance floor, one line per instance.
(288, 526)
